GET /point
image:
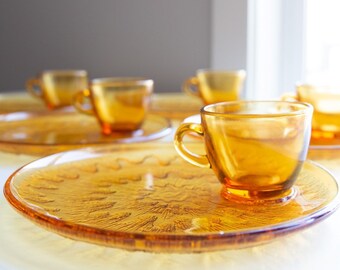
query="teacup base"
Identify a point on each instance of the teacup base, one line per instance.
(259, 197)
(107, 130)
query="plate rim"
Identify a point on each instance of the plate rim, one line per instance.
(142, 138)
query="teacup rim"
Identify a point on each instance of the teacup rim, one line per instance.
(123, 80)
(241, 72)
(64, 72)
(318, 87)
(305, 108)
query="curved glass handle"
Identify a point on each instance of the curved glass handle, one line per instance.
(33, 87)
(290, 96)
(79, 101)
(190, 86)
(196, 159)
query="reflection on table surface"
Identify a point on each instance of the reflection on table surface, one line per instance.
(27, 246)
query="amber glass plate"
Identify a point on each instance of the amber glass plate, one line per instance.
(175, 105)
(20, 101)
(51, 132)
(145, 197)
(325, 143)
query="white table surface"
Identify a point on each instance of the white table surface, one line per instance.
(23, 245)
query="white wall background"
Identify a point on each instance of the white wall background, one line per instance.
(229, 34)
(161, 39)
(166, 40)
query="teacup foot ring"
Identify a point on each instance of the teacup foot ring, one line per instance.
(259, 197)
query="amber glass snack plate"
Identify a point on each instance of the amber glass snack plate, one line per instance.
(20, 101)
(325, 143)
(145, 197)
(175, 105)
(54, 131)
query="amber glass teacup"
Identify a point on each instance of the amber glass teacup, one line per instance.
(255, 148)
(119, 104)
(214, 86)
(57, 87)
(326, 103)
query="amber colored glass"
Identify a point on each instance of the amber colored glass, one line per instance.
(20, 101)
(176, 106)
(256, 149)
(57, 87)
(55, 131)
(214, 86)
(119, 104)
(326, 116)
(146, 197)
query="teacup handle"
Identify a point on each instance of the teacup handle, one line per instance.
(33, 87)
(290, 96)
(195, 159)
(79, 101)
(190, 86)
